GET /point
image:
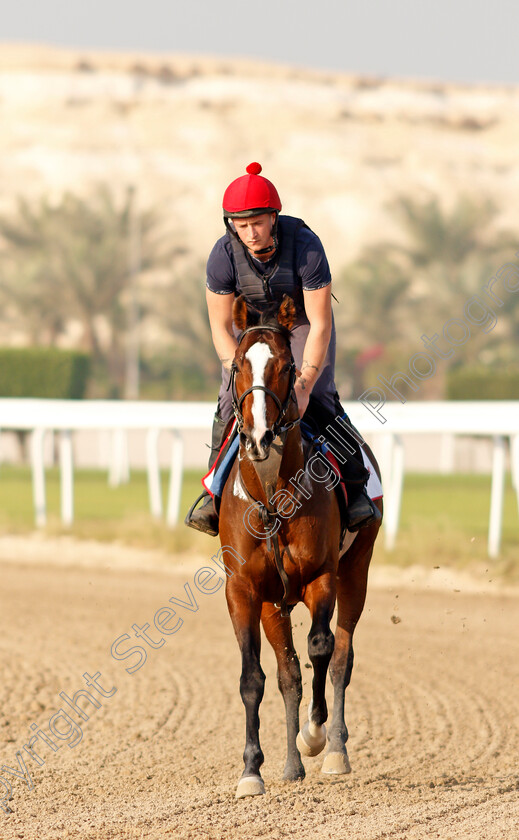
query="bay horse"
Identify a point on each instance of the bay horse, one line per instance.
(287, 535)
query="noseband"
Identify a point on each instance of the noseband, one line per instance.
(237, 402)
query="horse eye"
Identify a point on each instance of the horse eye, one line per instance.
(286, 368)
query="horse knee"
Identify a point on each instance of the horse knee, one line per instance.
(252, 682)
(320, 645)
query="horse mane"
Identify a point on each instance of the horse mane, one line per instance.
(269, 317)
(278, 315)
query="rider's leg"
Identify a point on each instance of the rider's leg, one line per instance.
(205, 517)
(343, 441)
(325, 409)
(361, 510)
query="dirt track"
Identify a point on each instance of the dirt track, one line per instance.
(433, 715)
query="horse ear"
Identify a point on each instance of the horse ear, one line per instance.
(243, 314)
(239, 312)
(287, 312)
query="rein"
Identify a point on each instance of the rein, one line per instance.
(268, 515)
(268, 480)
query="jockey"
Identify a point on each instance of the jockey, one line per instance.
(263, 256)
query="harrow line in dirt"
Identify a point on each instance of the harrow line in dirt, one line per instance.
(433, 745)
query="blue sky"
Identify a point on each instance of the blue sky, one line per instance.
(460, 40)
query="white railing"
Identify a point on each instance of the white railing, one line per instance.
(66, 416)
(498, 421)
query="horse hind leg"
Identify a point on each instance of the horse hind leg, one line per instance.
(351, 595)
(320, 599)
(336, 759)
(278, 631)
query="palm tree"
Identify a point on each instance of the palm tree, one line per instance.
(397, 292)
(194, 364)
(70, 262)
(436, 235)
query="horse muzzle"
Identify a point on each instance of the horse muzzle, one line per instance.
(257, 450)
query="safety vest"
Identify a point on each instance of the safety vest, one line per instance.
(281, 277)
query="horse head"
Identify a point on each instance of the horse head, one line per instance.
(263, 373)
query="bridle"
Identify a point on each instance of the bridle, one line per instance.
(278, 427)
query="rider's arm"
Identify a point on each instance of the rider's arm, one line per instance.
(314, 271)
(219, 307)
(318, 308)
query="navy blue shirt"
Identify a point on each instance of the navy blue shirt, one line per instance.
(311, 263)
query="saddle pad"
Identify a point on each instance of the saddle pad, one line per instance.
(214, 480)
(374, 485)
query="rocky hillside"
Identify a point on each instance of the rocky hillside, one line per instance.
(180, 128)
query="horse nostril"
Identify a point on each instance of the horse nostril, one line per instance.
(267, 438)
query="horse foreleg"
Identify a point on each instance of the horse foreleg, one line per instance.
(351, 594)
(278, 631)
(320, 600)
(245, 616)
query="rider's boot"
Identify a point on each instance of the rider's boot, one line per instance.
(205, 518)
(361, 511)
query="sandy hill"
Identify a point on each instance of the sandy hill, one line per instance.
(181, 127)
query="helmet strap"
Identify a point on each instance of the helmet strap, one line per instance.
(230, 227)
(270, 248)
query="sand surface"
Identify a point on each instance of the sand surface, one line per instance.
(433, 711)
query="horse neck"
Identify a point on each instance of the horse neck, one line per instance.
(293, 458)
(292, 461)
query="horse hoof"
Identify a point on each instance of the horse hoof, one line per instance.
(336, 763)
(250, 786)
(311, 738)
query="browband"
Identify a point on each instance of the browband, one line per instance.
(274, 328)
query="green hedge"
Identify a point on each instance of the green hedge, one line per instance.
(480, 383)
(43, 372)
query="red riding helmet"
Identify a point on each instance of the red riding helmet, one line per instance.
(250, 195)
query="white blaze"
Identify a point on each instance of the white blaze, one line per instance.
(258, 356)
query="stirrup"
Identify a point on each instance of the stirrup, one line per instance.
(202, 520)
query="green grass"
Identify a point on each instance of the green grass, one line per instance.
(462, 501)
(101, 512)
(444, 519)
